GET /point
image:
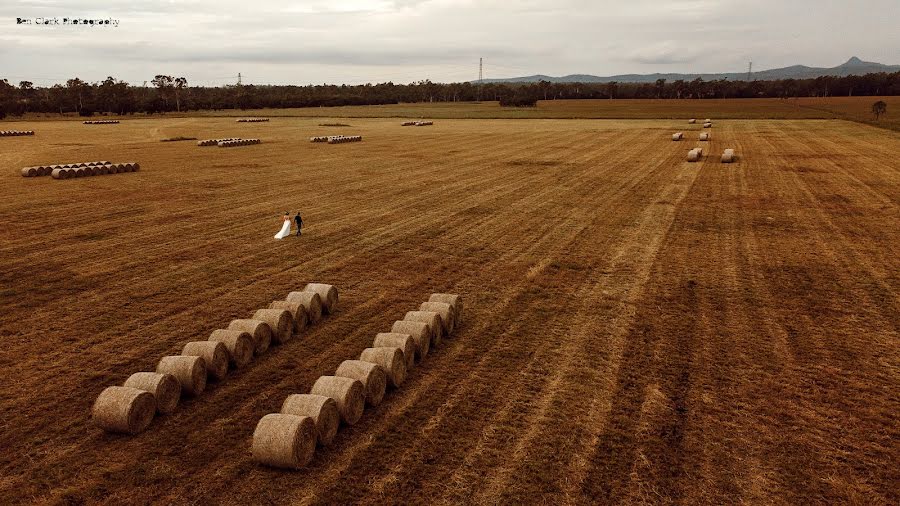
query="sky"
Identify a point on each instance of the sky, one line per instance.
(359, 41)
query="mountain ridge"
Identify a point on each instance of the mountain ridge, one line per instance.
(853, 66)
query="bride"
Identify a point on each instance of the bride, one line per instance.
(285, 228)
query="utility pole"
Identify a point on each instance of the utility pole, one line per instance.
(749, 71)
(239, 79)
(480, 76)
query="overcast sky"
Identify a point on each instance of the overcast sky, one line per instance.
(359, 41)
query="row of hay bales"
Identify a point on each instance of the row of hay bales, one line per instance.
(238, 142)
(215, 142)
(340, 139)
(288, 439)
(252, 120)
(96, 170)
(15, 133)
(694, 120)
(101, 122)
(677, 136)
(130, 408)
(696, 154)
(417, 123)
(46, 170)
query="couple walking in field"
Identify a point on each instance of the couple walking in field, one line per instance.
(286, 227)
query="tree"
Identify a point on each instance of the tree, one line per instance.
(611, 88)
(180, 84)
(660, 87)
(76, 89)
(878, 109)
(163, 85)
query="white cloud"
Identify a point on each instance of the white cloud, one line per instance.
(356, 41)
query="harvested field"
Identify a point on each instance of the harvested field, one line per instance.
(637, 327)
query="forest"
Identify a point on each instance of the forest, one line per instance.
(174, 94)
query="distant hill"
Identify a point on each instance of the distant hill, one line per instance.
(853, 66)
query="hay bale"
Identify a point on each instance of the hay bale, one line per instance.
(693, 155)
(58, 174)
(390, 359)
(349, 395)
(433, 320)
(214, 355)
(677, 136)
(692, 121)
(398, 340)
(707, 125)
(29, 172)
(420, 333)
(454, 300)
(728, 156)
(372, 377)
(297, 310)
(284, 441)
(239, 345)
(259, 331)
(323, 410)
(448, 317)
(704, 136)
(328, 293)
(280, 321)
(164, 387)
(123, 409)
(311, 301)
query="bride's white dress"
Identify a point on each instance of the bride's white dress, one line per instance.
(285, 230)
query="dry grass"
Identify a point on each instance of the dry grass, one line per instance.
(636, 326)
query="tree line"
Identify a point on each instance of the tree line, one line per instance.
(173, 94)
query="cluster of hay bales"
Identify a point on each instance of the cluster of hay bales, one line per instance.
(95, 170)
(15, 133)
(408, 123)
(728, 156)
(704, 136)
(252, 120)
(101, 122)
(677, 136)
(288, 439)
(423, 123)
(129, 409)
(707, 124)
(238, 142)
(695, 154)
(319, 138)
(70, 170)
(340, 139)
(215, 142)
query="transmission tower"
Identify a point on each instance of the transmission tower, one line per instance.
(480, 76)
(239, 79)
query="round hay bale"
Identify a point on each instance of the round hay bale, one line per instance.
(448, 317)
(372, 377)
(58, 174)
(419, 332)
(280, 321)
(398, 340)
(29, 172)
(349, 395)
(328, 293)
(692, 121)
(433, 320)
(450, 298)
(164, 387)
(259, 331)
(298, 313)
(80, 172)
(704, 136)
(677, 136)
(123, 409)
(390, 359)
(728, 156)
(239, 345)
(285, 441)
(135, 166)
(214, 354)
(323, 410)
(693, 155)
(311, 301)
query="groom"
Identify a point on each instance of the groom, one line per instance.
(299, 221)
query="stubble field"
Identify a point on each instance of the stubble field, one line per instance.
(638, 328)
